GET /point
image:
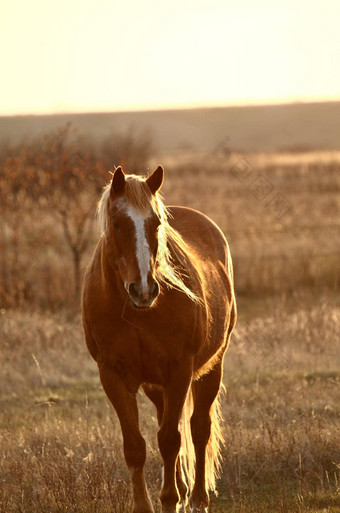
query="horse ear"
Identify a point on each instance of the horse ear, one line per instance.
(155, 180)
(118, 181)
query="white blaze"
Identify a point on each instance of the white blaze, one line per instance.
(142, 246)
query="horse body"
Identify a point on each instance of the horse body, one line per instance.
(174, 347)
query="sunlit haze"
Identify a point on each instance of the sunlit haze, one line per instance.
(101, 55)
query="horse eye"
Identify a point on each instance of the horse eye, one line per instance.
(116, 226)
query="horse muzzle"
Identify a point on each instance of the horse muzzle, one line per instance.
(143, 297)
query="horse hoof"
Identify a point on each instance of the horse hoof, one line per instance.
(181, 508)
(143, 509)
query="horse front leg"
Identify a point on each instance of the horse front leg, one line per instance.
(125, 405)
(156, 395)
(169, 437)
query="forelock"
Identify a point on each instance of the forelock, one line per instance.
(138, 194)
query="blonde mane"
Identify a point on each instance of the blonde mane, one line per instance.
(170, 241)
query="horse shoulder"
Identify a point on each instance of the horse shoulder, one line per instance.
(98, 308)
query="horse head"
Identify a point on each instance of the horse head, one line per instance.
(132, 233)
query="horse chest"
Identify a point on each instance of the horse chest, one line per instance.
(139, 355)
(148, 358)
(140, 346)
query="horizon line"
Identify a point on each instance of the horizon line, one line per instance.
(180, 106)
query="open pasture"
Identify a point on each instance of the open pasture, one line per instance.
(60, 441)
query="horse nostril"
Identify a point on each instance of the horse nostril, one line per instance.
(155, 289)
(133, 288)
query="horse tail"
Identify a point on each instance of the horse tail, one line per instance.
(213, 449)
(216, 441)
(187, 452)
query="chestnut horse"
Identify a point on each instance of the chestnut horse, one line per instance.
(158, 311)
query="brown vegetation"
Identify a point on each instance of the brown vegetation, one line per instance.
(60, 442)
(60, 439)
(48, 193)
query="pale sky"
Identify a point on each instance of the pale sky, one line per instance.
(104, 55)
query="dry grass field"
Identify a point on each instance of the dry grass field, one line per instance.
(60, 443)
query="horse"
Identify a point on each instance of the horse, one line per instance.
(158, 310)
